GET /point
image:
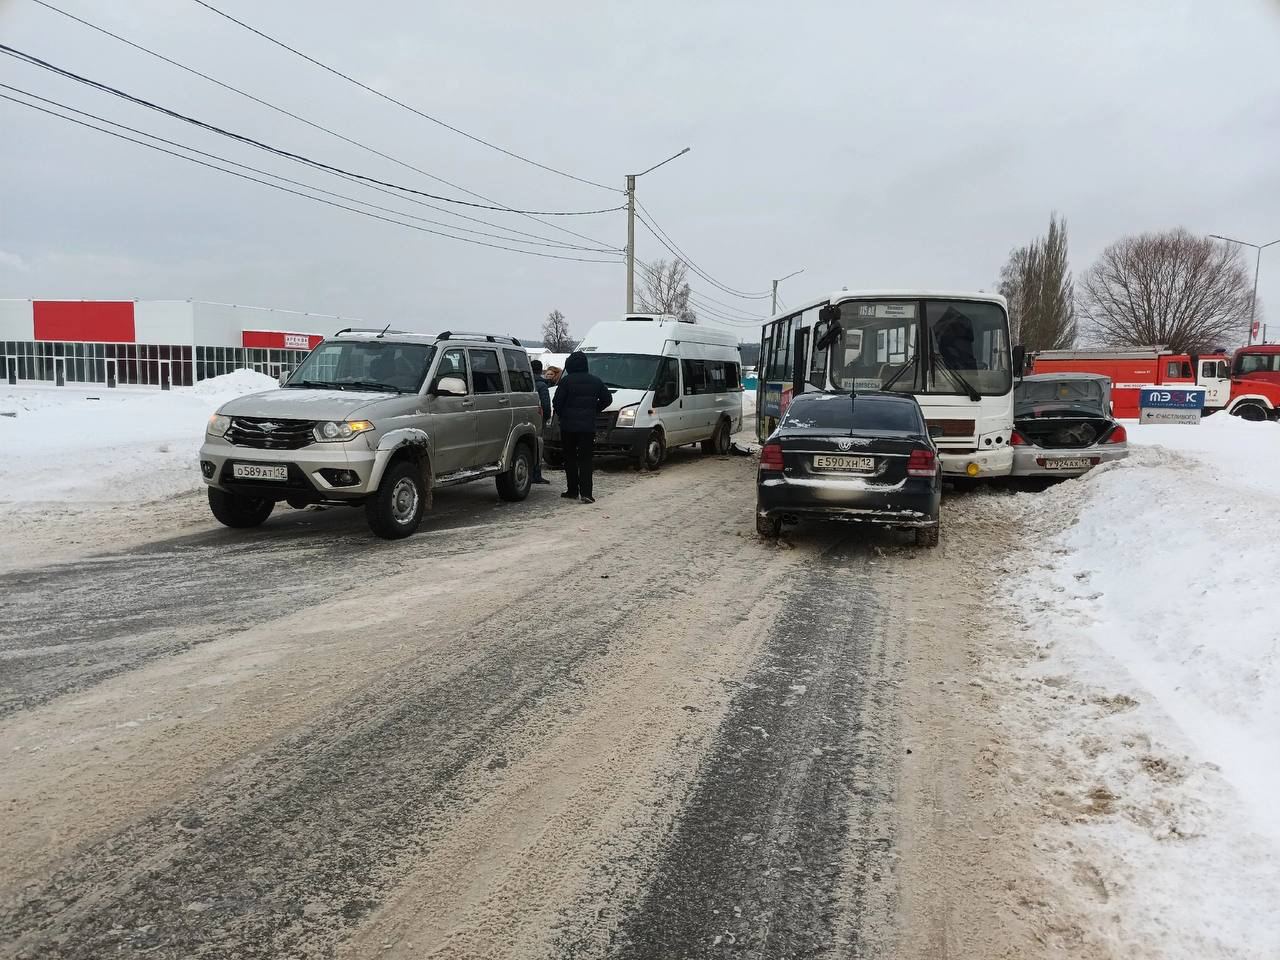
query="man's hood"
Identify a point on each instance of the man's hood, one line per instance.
(298, 403)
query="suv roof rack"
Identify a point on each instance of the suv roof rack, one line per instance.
(364, 330)
(450, 334)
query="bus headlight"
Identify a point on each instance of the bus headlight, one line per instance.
(627, 415)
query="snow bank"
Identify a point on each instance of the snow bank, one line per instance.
(1150, 593)
(77, 445)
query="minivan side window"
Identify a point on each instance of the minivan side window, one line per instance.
(485, 372)
(518, 371)
(666, 389)
(732, 376)
(695, 376)
(453, 363)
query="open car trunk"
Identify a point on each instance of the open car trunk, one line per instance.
(1064, 431)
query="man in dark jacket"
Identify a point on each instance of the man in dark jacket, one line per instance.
(544, 401)
(579, 397)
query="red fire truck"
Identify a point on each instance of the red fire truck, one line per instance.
(1246, 384)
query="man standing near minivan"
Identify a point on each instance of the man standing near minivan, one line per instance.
(580, 396)
(544, 401)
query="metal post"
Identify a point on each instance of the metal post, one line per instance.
(774, 309)
(631, 243)
(1253, 300)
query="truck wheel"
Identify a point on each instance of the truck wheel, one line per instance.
(233, 510)
(395, 511)
(928, 536)
(1254, 412)
(513, 485)
(655, 450)
(719, 442)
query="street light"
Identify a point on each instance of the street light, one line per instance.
(1256, 268)
(794, 273)
(631, 227)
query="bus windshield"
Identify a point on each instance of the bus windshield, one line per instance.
(624, 371)
(921, 346)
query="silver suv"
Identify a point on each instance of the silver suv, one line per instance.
(379, 420)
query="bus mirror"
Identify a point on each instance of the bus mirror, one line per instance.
(1020, 360)
(829, 314)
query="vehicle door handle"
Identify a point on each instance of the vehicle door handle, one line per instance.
(504, 401)
(468, 403)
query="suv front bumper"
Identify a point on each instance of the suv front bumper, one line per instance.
(306, 466)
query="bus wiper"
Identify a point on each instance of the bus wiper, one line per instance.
(955, 375)
(909, 365)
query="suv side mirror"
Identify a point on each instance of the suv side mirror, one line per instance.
(449, 387)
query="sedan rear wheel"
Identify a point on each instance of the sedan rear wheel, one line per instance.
(768, 527)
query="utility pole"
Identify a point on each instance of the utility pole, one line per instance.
(774, 309)
(631, 227)
(631, 243)
(1257, 267)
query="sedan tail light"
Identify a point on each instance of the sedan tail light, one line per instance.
(1017, 440)
(771, 456)
(923, 463)
(1118, 435)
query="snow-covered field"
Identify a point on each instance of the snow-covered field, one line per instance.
(1148, 593)
(93, 445)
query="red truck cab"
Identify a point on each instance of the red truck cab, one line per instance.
(1255, 382)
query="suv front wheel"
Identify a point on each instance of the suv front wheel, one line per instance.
(395, 511)
(513, 485)
(233, 510)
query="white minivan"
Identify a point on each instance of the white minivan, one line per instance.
(674, 383)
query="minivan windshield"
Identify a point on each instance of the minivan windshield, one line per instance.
(382, 365)
(624, 371)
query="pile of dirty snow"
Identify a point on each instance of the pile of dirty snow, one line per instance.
(96, 445)
(1148, 592)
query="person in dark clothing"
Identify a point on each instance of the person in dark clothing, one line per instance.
(580, 395)
(544, 401)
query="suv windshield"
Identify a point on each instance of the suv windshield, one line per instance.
(922, 346)
(840, 411)
(624, 371)
(365, 365)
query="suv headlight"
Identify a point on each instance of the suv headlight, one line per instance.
(218, 425)
(337, 430)
(627, 415)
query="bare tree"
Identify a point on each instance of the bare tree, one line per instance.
(1036, 280)
(1172, 288)
(665, 289)
(555, 333)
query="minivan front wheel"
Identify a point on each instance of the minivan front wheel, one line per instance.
(395, 511)
(655, 450)
(513, 485)
(240, 512)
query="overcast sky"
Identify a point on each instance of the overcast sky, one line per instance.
(873, 144)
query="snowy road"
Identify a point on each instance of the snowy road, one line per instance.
(536, 730)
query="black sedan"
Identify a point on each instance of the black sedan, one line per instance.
(865, 457)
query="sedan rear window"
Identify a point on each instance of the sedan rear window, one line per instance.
(840, 412)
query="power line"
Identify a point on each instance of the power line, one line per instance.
(296, 183)
(665, 239)
(741, 314)
(705, 309)
(324, 129)
(299, 193)
(107, 88)
(400, 103)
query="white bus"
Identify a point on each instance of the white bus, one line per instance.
(950, 350)
(674, 383)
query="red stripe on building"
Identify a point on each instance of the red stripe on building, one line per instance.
(280, 340)
(84, 321)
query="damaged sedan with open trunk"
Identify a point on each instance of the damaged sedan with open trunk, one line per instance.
(1063, 425)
